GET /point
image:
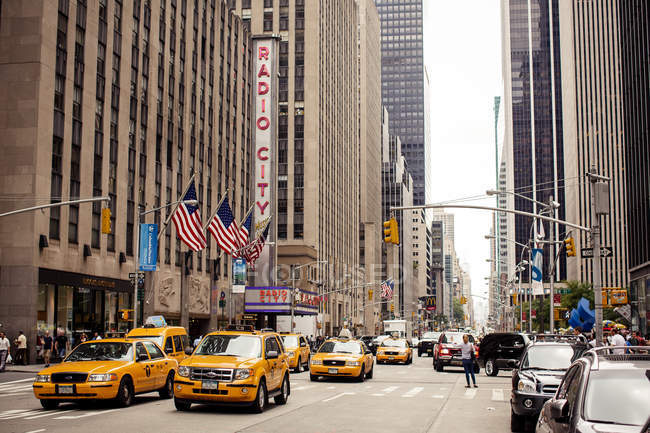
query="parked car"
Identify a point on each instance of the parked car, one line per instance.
(447, 351)
(537, 376)
(428, 343)
(376, 342)
(500, 347)
(368, 341)
(601, 392)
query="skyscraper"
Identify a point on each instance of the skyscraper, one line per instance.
(403, 86)
(633, 19)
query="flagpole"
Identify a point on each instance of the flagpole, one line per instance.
(189, 183)
(242, 222)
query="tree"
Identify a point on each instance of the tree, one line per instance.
(459, 313)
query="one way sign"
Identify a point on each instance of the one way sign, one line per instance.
(589, 252)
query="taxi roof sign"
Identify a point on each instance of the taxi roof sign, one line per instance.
(234, 327)
(155, 322)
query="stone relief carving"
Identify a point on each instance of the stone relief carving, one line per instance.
(167, 293)
(199, 296)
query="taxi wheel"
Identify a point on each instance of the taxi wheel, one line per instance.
(299, 367)
(260, 399)
(439, 367)
(182, 406)
(362, 374)
(284, 392)
(371, 372)
(313, 377)
(49, 404)
(517, 422)
(168, 390)
(125, 393)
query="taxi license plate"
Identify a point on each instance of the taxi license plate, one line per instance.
(333, 370)
(210, 384)
(66, 389)
(391, 357)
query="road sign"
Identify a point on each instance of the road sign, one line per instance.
(604, 252)
(223, 295)
(557, 300)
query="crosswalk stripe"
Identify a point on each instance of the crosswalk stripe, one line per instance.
(13, 393)
(20, 415)
(438, 396)
(377, 395)
(413, 392)
(339, 395)
(389, 389)
(497, 394)
(16, 381)
(85, 415)
(16, 388)
(470, 393)
(50, 414)
(302, 388)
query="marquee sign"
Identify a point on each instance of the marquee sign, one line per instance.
(268, 299)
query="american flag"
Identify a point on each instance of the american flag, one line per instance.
(258, 245)
(245, 229)
(187, 220)
(387, 289)
(224, 228)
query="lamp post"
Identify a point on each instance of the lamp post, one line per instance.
(137, 252)
(294, 289)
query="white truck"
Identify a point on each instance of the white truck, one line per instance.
(402, 327)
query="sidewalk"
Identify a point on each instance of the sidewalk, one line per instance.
(32, 368)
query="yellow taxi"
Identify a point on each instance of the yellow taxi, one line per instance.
(298, 352)
(114, 368)
(342, 357)
(172, 339)
(394, 350)
(238, 366)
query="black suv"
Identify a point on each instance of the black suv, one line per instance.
(367, 340)
(606, 390)
(428, 342)
(537, 375)
(497, 349)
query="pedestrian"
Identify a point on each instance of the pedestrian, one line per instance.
(468, 355)
(47, 348)
(5, 345)
(61, 345)
(96, 336)
(617, 340)
(83, 338)
(21, 352)
(345, 332)
(197, 340)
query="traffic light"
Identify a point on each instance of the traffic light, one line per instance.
(106, 221)
(391, 232)
(370, 292)
(463, 300)
(514, 299)
(392, 307)
(570, 247)
(125, 314)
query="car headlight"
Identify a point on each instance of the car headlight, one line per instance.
(42, 378)
(316, 362)
(353, 363)
(526, 386)
(102, 377)
(183, 371)
(444, 351)
(243, 373)
(291, 352)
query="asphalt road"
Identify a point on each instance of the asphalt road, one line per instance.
(400, 398)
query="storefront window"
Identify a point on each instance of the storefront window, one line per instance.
(45, 314)
(64, 310)
(110, 312)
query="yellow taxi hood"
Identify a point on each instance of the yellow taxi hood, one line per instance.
(94, 367)
(338, 356)
(219, 361)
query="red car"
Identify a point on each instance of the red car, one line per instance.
(447, 351)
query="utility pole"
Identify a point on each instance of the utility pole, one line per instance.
(599, 206)
(551, 255)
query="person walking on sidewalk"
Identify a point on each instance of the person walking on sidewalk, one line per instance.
(21, 353)
(47, 348)
(61, 345)
(5, 345)
(467, 350)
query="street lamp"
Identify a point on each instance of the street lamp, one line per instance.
(293, 286)
(137, 251)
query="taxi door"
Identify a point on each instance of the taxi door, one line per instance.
(159, 365)
(304, 350)
(142, 373)
(274, 365)
(368, 359)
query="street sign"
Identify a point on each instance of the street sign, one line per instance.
(604, 252)
(223, 295)
(249, 316)
(557, 300)
(533, 314)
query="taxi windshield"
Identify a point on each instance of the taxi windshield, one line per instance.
(97, 351)
(341, 347)
(230, 345)
(158, 339)
(394, 343)
(290, 341)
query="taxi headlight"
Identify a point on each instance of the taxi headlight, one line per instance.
(316, 362)
(243, 373)
(526, 385)
(353, 363)
(42, 378)
(183, 371)
(102, 377)
(291, 352)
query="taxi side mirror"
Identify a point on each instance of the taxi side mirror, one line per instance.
(303, 345)
(272, 354)
(188, 350)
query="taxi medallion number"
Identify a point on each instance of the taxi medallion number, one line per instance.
(333, 370)
(66, 389)
(210, 384)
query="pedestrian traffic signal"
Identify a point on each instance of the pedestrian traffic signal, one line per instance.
(570, 247)
(106, 221)
(391, 232)
(392, 307)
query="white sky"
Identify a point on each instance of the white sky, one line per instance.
(462, 54)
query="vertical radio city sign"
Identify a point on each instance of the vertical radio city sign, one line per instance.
(264, 143)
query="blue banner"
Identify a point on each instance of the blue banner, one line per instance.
(536, 271)
(148, 247)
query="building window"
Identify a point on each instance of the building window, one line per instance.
(268, 21)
